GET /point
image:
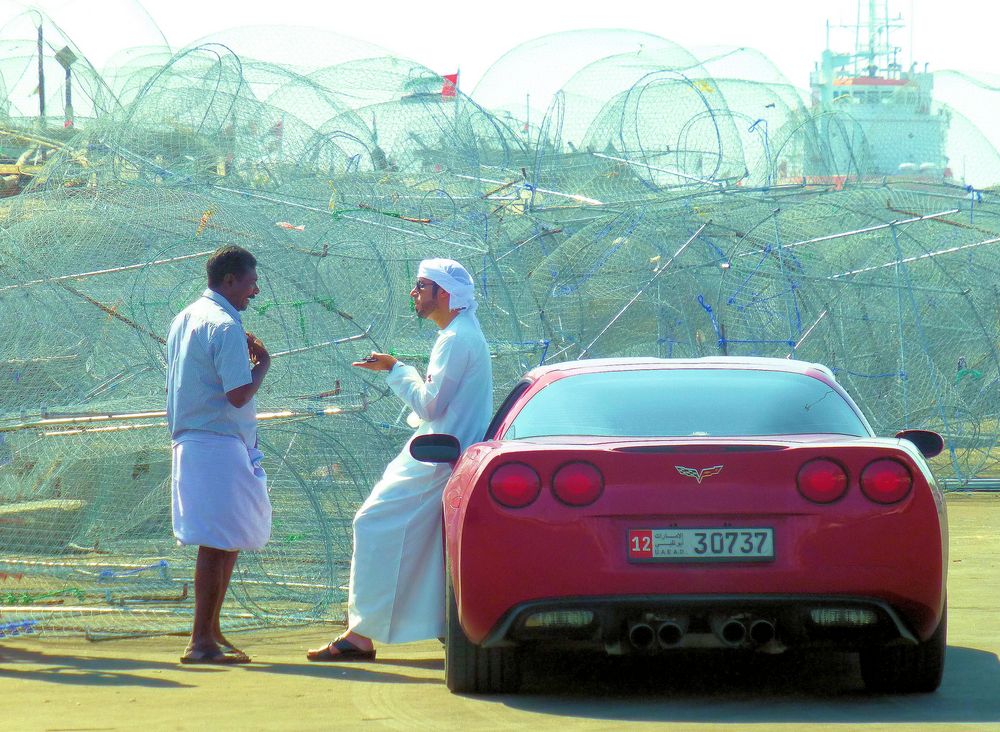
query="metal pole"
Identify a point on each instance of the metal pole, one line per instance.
(637, 295)
(916, 257)
(870, 229)
(679, 174)
(69, 98)
(806, 334)
(96, 272)
(41, 78)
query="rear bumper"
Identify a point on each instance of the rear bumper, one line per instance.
(889, 559)
(706, 621)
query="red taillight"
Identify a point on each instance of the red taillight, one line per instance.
(822, 480)
(578, 484)
(886, 481)
(515, 485)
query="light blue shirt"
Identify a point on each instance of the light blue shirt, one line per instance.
(207, 356)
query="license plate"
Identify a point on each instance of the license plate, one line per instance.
(746, 544)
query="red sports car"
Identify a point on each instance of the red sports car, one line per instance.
(640, 505)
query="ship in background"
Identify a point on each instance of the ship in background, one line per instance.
(873, 118)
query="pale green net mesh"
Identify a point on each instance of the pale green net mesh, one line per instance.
(632, 202)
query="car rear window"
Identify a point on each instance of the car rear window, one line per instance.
(680, 402)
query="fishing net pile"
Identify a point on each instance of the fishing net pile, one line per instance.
(656, 204)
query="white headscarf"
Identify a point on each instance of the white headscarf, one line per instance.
(454, 279)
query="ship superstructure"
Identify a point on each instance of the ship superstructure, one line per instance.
(904, 132)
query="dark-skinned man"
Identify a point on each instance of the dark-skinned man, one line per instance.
(219, 495)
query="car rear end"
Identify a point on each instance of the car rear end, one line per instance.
(638, 546)
(646, 543)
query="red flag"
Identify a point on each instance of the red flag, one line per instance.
(450, 86)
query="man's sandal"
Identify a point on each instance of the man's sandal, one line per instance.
(213, 657)
(340, 650)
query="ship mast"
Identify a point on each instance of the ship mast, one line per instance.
(872, 67)
(904, 134)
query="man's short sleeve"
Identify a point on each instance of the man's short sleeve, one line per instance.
(231, 356)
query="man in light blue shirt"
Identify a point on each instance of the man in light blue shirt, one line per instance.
(219, 494)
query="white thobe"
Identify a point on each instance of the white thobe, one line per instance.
(397, 571)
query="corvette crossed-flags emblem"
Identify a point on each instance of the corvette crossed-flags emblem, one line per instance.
(699, 475)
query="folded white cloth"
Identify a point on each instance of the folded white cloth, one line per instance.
(219, 493)
(454, 279)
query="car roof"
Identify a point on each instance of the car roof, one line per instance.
(759, 363)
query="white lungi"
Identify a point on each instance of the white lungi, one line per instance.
(219, 493)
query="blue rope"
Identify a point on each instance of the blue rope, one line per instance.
(485, 288)
(622, 240)
(902, 375)
(17, 627)
(105, 574)
(715, 323)
(746, 280)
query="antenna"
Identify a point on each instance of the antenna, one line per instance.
(857, 36)
(912, 23)
(872, 34)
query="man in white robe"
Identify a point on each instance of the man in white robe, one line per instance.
(397, 585)
(219, 495)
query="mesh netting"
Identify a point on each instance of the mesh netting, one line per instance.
(646, 203)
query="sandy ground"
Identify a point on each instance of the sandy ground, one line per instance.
(72, 684)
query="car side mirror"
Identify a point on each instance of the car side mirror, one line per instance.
(929, 443)
(435, 448)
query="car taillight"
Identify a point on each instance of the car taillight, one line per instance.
(886, 481)
(578, 484)
(514, 485)
(822, 480)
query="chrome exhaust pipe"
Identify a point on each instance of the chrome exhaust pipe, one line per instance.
(671, 633)
(761, 631)
(731, 631)
(641, 635)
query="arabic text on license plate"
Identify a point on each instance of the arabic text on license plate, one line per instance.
(708, 544)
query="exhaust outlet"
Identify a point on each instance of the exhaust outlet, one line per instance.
(761, 631)
(641, 635)
(731, 631)
(670, 633)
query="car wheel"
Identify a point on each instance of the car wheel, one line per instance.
(468, 668)
(907, 669)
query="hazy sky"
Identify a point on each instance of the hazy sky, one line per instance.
(472, 35)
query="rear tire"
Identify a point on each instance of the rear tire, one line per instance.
(470, 669)
(907, 669)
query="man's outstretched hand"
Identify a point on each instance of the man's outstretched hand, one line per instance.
(376, 362)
